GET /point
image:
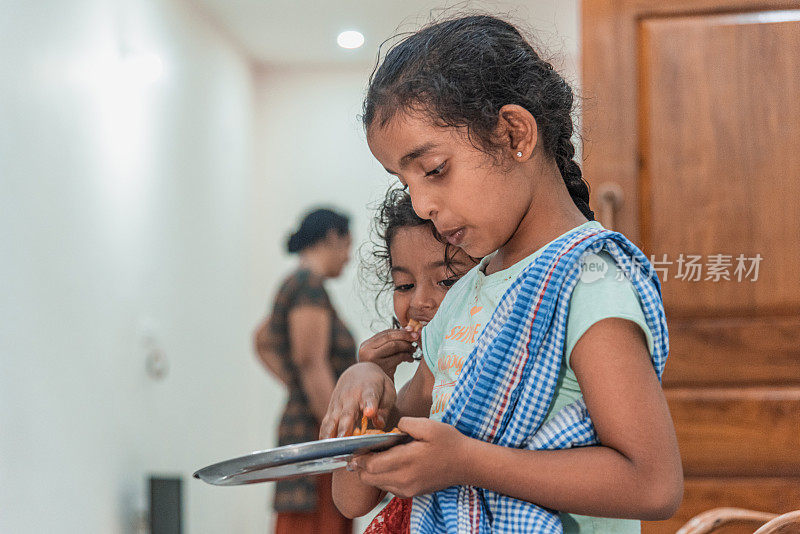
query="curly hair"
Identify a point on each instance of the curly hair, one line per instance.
(392, 214)
(460, 72)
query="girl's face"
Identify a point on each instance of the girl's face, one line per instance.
(474, 203)
(419, 275)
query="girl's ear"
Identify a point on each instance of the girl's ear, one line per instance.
(517, 131)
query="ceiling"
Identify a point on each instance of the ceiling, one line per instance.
(291, 32)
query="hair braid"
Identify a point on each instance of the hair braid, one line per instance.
(572, 175)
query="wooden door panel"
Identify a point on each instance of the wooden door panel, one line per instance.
(734, 431)
(775, 495)
(718, 112)
(733, 351)
(692, 110)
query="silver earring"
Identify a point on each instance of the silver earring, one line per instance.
(519, 154)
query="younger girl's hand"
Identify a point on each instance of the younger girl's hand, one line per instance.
(388, 349)
(362, 389)
(435, 460)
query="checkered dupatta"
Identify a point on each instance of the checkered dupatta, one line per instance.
(507, 384)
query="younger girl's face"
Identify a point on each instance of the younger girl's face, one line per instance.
(419, 274)
(475, 204)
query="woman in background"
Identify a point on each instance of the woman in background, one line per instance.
(307, 347)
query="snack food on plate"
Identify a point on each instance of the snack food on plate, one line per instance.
(364, 430)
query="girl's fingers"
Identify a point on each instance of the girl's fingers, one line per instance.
(383, 463)
(371, 399)
(389, 336)
(371, 464)
(352, 464)
(416, 427)
(386, 344)
(358, 461)
(328, 426)
(330, 422)
(347, 418)
(379, 420)
(345, 425)
(394, 347)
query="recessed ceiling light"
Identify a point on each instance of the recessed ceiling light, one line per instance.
(350, 39)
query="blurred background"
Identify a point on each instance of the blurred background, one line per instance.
(154, 155)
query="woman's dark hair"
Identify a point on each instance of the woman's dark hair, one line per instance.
(460, 72)
(315, 226)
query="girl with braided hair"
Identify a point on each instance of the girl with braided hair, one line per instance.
(542, 367)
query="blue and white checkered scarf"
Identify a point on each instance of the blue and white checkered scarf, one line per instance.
(507, 384)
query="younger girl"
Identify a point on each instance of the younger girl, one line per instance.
(419, 268)
(543, 362)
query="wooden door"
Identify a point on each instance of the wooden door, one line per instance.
(692, 125)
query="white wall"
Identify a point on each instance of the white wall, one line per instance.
(123, 204)
(311, 150)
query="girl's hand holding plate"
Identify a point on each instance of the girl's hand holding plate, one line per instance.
(433, 461)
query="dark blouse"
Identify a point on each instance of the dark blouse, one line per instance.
(298, 424)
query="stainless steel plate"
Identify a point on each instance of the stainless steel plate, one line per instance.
(300, 459)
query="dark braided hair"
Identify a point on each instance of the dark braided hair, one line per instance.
(460, 72)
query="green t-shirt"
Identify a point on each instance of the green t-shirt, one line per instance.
(601, 292)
